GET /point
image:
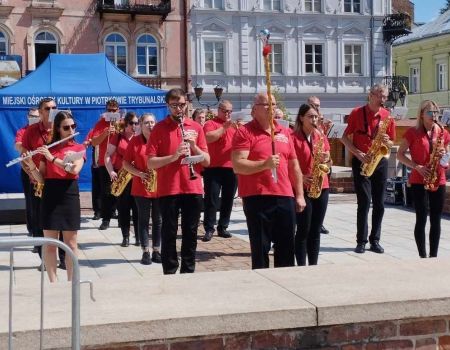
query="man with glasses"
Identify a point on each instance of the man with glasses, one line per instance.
(269, 204)
(100, 138)
(171, 140)
(363, 125)
(35, 136)
(219, 177)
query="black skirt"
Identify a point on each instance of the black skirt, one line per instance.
(60, 206)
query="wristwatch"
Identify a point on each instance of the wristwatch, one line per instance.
(67, 167)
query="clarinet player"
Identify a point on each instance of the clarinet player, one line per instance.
(363, 125)
(427, 143)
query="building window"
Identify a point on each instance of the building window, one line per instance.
(272, 5)
(414, 79)
(45, 43)
(147, 55)
(352, 59)
(116, 50)
(313, 5)
(276, 59)
(213, 4)
(3, 44)
(214, 57)
(441, 76)
(314, 59)
(353, 6)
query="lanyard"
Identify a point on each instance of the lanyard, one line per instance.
(366, 124)
(310, 143)
(429, 138)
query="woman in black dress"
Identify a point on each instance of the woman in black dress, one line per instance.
(60, 209)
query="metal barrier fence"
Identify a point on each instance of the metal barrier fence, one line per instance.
(14, 243)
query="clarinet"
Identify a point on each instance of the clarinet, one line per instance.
(179, 119)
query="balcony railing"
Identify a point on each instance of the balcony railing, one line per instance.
(395, 26)
(154, 83)
(135, 7)
(398, 87)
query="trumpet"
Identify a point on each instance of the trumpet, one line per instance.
(32, 153)
(179, 119)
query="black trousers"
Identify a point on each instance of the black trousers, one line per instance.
(144, 206)
(27, 191)
(270, 219)
(125, 204)
(309, 223)
(368, 189)
(109, 202)
(217, 180)
(436, 205)
(189, 205)
(96, 193)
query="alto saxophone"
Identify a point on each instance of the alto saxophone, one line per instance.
(319, 170)
(431, 182)
(151, 183)
(38, 187)
(377, 150)
(119, 184)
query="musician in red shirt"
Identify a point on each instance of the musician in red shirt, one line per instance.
(308, 137)
(100, 137)
(60, 207)
(269, 206)
(114, 156)
(363, 126)
(427, 136)
(135, 162)
(179, 186)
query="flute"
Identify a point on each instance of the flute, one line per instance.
(32, 153)
(192, 173)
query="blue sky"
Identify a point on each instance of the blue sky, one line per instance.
(426, 10)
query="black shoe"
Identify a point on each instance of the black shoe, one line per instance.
(137, 243)
(35, 250)
(222, 232)
(208, 235)
(62, 266)
(360, 248)
(115, 215)
(156, 257)
(376, 248)
(324, 230)
(96, 216)
(104, 225)
(125, 242)
(146, 258)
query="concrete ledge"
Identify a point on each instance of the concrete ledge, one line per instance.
(12, 208)
(210, 304)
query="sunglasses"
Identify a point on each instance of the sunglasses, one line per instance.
(177, 105)
(226, 111)
(112, 110)
(68, 127)
(33, 116)
(431, 113)
(133, 123)
(49, 108)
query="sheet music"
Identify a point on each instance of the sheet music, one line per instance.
(399, 113)
(446, 117)
(283, 122)
(336, 131)
(73, 156)
(111, 117)
(240, 116)
(54, 112)
(193, 159)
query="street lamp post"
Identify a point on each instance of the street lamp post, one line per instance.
(198, 91)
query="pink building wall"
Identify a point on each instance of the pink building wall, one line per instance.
(79, 28)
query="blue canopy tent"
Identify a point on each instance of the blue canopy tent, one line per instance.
(79, 82)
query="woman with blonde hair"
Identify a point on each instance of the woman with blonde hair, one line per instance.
(422, 140)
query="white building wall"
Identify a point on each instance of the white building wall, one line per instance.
(238, 24)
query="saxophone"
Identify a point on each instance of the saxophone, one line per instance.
(431, 182)
(38, 187)
(319, 170)
(119, 184)
(377, 150)
(150, 184)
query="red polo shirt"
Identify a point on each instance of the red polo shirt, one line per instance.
(35, 136)
(121, 144)
(101, 125)
(419, 148)
(304, 151)
(135, 154)
(258, 142)
(220, 150)
(362, 137)
(60, 151)
(20, 133)
(174, 178)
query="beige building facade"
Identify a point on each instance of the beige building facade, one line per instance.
(143, 38)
